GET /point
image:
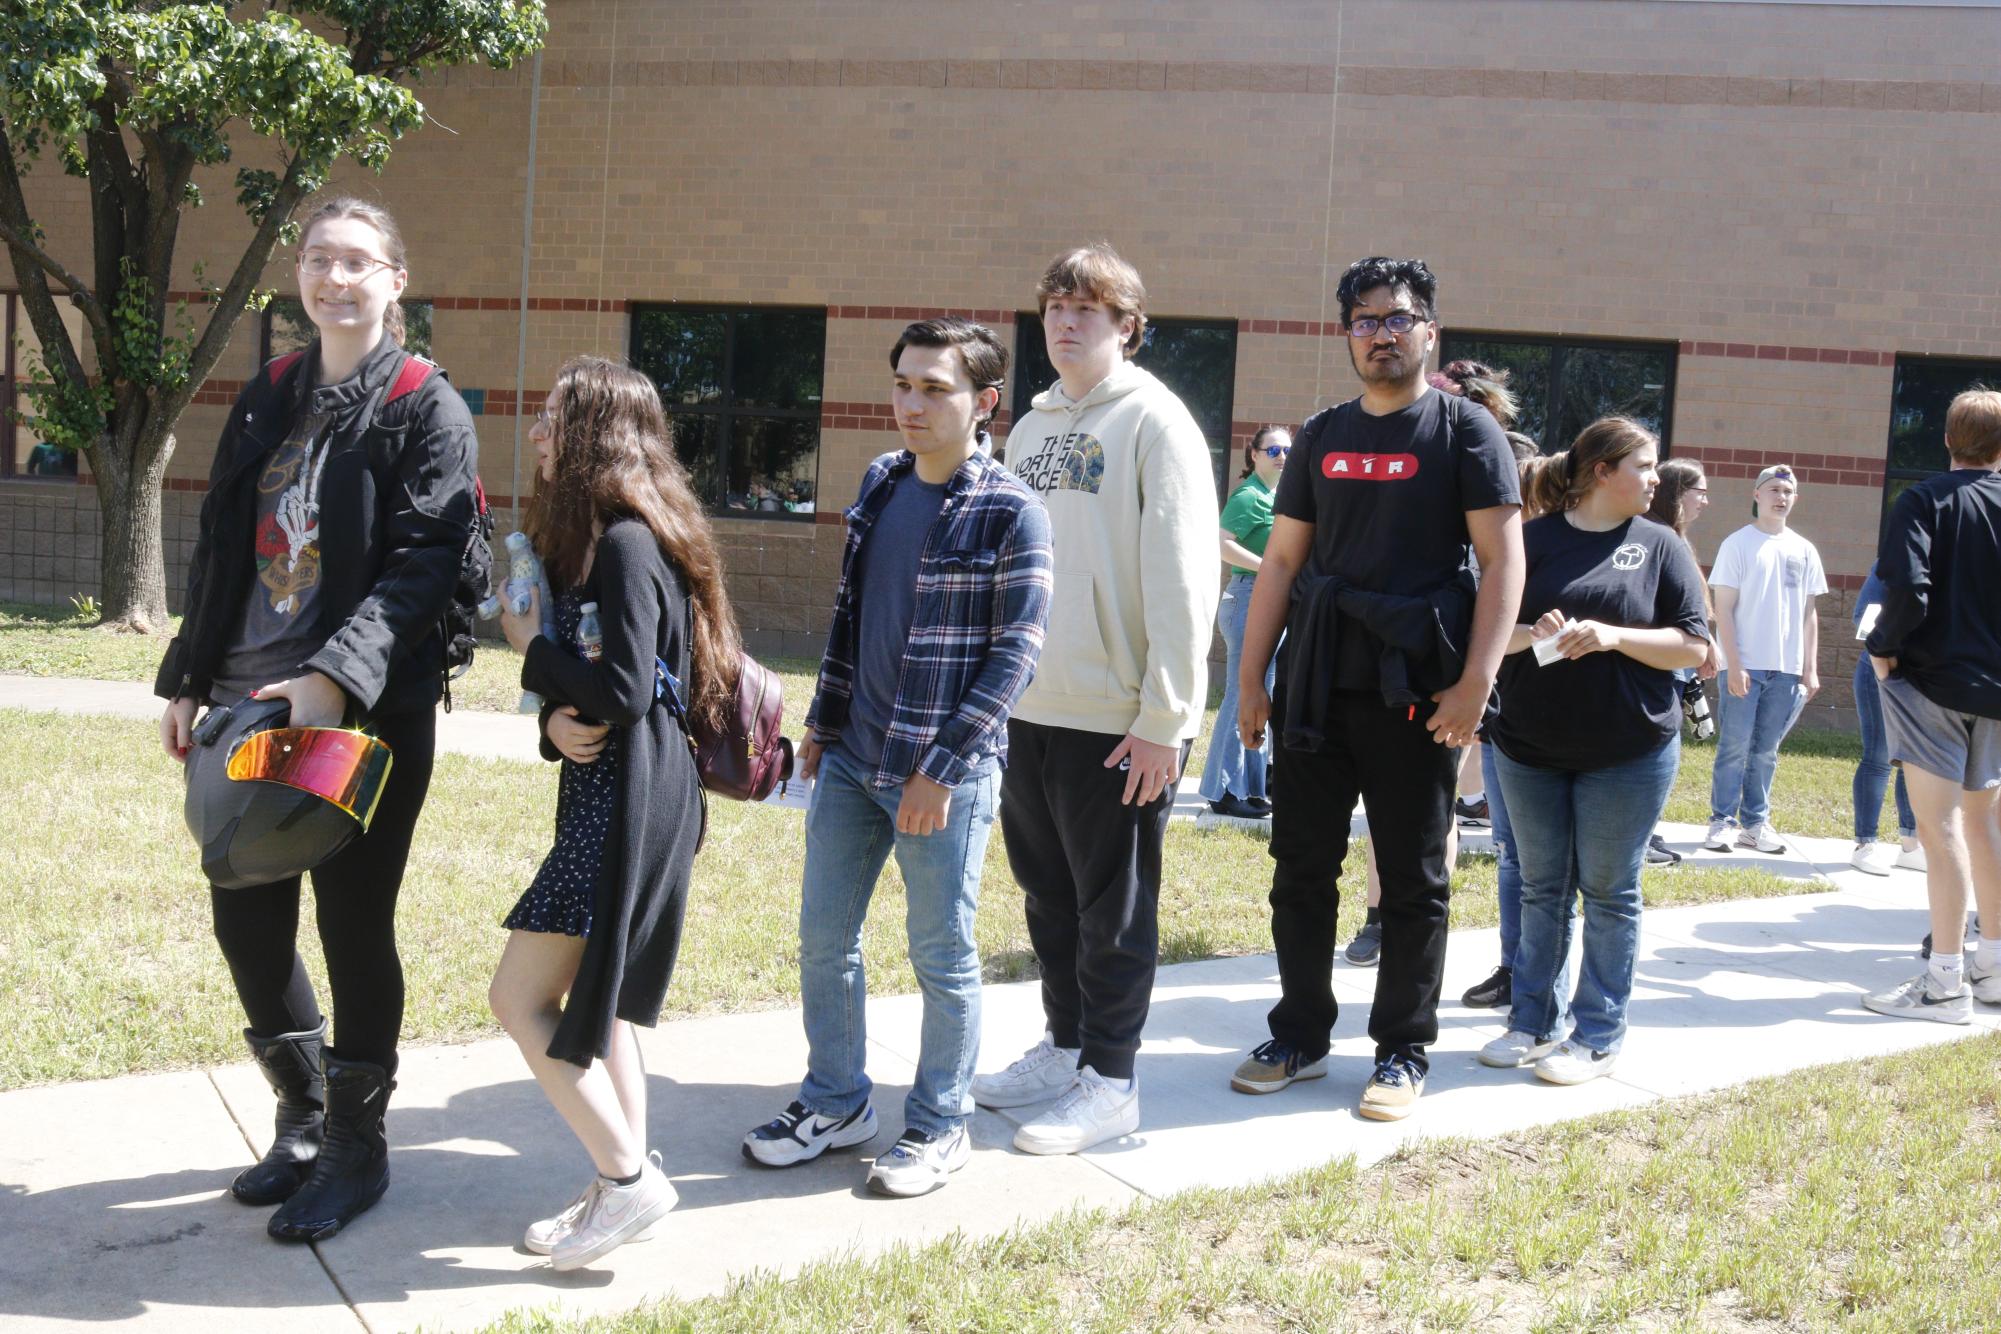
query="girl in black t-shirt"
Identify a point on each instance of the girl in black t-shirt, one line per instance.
(1588, 738)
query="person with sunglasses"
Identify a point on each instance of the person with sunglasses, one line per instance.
(1392, 646)
(1233, 777)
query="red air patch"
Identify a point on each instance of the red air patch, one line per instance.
(1369, 467)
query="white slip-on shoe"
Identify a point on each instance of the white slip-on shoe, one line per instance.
(1873, 858)
(1042, 1072)
(1911, 859)
(1090, 1112)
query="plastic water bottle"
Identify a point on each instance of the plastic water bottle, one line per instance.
(590, 634)
(524, 572)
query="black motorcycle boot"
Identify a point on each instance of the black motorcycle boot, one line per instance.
(352, 1171)
(290, 1064)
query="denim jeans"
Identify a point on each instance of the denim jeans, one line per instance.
(1230, 768)
(850, 830)
(1872, 775)
(1582, 834)
(1509, 875)
(1748, 733)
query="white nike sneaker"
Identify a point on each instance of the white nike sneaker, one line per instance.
(544, 1233)
(1873, 858)
(1043, 1071)
(800, 1134)
(1762, 837)
(614, 1215)
(1919, 998)
(1514, 1049)
(1722, 836)
(1090, 1112)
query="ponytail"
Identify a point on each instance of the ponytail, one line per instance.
(1568, 477)
(1549, 490)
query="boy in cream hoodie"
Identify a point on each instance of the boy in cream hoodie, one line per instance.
(1097, 743)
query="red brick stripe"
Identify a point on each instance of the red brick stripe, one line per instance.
(1730, 462)
(911, 314)
(1839, 356)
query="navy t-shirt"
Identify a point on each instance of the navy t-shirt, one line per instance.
(1604, 708)
(885, 580)
(1387, 497)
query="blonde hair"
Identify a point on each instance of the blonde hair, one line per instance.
(376, 216)
(1098, 273)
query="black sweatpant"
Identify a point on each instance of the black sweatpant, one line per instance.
(1387, 756)
(354, 896)
(1089, 866)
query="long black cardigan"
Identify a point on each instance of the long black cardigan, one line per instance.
(649, 853)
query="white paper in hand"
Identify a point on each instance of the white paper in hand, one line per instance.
(1548, 650)
(1868, 621)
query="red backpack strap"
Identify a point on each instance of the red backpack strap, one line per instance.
(277, 366)
(415, 371)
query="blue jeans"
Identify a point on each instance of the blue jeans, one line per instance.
(1748, 733)
(1230, 768)
(1509, 875)
(1872, 775)
(850, 830)
(1582, 834)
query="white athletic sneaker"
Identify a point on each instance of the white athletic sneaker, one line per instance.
(799, 1134)
(1918, 999)
(1043, 1071)
(918, 1163)
(1721, 837)
(1911, 859)
(1986, 982)
(1873, 858)
(1575, 1063)
(1762, 837)
(1514, 1049)
(614, 1215)
(544, 1233)
(1090, 1112)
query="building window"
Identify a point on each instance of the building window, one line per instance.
(1923, 389)
(25, 453)
(286, 328)
(742, 391)
(1565, 384)
(1197, 359)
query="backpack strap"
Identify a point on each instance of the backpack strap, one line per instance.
(415, 371)
(277, 368)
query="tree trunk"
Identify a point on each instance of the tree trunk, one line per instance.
(133, 564)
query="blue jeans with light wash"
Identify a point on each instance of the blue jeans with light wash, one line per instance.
(1872, 775)
(1509, 874)
(1748, 733)
(1582, 835)
(1230, 768)
(850, 831)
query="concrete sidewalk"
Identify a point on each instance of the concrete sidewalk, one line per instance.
(113, 1194)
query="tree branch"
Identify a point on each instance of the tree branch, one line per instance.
(17, 232)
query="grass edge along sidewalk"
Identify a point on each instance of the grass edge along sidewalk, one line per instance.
(1856, 1196)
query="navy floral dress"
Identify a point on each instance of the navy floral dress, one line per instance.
(559, 900)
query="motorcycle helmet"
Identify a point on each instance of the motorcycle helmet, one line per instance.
(267, 801)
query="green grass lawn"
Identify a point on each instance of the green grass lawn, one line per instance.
(1853, 1197)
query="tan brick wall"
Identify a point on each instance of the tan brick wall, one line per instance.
(1819, 182)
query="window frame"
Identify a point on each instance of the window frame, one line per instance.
(727, 409)
(264, 319)
(1891, 474)
(1558, 344)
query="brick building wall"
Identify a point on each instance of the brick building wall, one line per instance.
(1792, 195)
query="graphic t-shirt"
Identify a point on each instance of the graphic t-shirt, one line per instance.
(1248, 518)
(1387, 497)
(885, 583)
(279, 627)
(1604, 708)
(1774, 575)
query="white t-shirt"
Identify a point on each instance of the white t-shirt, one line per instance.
(1775, 574)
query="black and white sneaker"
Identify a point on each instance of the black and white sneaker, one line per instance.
(1473, 814)
(800, 1134)
(918, 1163)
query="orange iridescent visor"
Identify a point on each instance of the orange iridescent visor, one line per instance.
(347, 768)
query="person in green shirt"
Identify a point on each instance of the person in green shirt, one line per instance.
(1233, 778)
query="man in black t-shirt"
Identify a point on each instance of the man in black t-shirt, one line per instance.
(1389, 664)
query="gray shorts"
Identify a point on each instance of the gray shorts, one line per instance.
(1964, 747)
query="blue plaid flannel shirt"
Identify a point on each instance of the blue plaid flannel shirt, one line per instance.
(983, 587)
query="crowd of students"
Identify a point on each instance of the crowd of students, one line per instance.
(1024, 638)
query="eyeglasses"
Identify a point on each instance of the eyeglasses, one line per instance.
(1399, 322)
(1276, 451)
(318, 264)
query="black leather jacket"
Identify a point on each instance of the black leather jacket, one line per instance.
(396, 507)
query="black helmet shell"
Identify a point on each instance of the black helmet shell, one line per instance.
(253, 833)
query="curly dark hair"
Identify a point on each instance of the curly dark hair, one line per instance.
(1366, 275)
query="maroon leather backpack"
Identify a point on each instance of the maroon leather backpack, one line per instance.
(749, 755)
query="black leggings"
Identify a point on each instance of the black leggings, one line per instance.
(355, 900)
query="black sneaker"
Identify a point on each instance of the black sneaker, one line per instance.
(1472, 814)
(799, 1133)
(1496, 993)
(1234, 807)
(1367, 946)
(1660, 854)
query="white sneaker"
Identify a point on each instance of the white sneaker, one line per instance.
(1721, 837)
(919, 1163)
(1043, 1071)
(1918, 999)
(799, 1134)
(1873, 858)
(1090, 1112)
(1912, 859)
(544, 1233)
(1575, 1063)
(614, 1215)
(1986, 982)
(1514, 1049)
(1762, 837)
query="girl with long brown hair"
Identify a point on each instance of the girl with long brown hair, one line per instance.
(641, 610)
